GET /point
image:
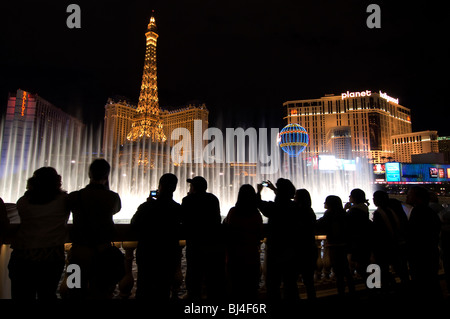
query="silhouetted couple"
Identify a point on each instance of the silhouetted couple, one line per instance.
(38, 259)
(349, 237)
(291, 248)
(160, 223)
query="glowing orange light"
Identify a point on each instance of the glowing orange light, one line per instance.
(24, 99)
(293, 112)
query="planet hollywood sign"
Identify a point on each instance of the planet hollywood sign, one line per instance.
(367, 93)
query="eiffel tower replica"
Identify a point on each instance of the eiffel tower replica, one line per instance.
(146, 139)
(147, 122)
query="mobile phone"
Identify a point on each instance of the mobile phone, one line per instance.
(265, 184)
(153, 193)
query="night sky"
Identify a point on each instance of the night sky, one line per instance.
(242, 58)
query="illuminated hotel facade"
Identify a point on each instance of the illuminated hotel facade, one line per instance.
(185, 118)
(119, 115)
(118, 120)
(35, 128)
(406, 145)
(352, 124)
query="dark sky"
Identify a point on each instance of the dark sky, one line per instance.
(242, 58)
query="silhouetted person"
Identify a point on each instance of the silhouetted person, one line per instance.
(401, 257)
(243, 235)
(37, 261)
(334, 225)
(388, 240)
(93, 230)
(434, 203)
(445, 244)
(157, 224)
(444, 241)
(283, 252)
(205, 252)
(307, 240)
(360, 231)
(423, 239)
(4, 221)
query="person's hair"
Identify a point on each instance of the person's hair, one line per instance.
(334, 203)
(381, 198)
(43, 186)
(99, 169)
(303, 198)
(396, 205)
(247, 198)
(359, 196)
(285, 188)
(169, 182)
(421, 195)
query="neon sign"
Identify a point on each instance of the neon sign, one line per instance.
(24, 99)
(367, 93)
(388, 98)
(356, 94)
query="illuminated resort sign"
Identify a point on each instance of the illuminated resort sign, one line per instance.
(356, 94)
(388, 98)
(368, 93)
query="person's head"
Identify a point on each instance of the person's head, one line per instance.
(285, 188)
(433, 197)
(396, 205)
(246, 197)
(44, 185)
(99, 171)
(198, 185)
(418, 195)
(357, 196)
(381, 199)
(333, 203)
(167, 184)
(303, 198)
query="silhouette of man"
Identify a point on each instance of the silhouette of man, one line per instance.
(423, 239)
(93, 230)
(283, 253)
(205, 253)
(4, 221)
(157, 224)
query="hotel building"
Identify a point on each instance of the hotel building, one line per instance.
(117, 123)
(406, 145)
(119, 118)
(34, 129)
(184, 118)
(444, 147)
(352, 124)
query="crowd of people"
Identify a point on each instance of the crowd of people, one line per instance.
(223, 256)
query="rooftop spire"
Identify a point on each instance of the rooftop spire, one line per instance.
(152, 24)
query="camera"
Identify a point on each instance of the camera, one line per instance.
(153, 193)
(265, 183)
